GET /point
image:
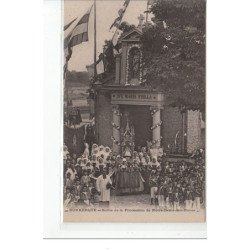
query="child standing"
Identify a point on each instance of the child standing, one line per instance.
(85, 196)
(197, 196)
(188, 198)
(153, 187)
(161, 191)
(176, 199)
(85, 179)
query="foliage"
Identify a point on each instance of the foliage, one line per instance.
(108, 57)
(126, 27)
(174, 53)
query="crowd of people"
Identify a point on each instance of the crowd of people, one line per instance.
(89, 178)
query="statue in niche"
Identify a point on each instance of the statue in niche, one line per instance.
(134, 66)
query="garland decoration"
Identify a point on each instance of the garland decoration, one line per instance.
(115, 141)
(116, 112)
(156, 125)
(154, 111)
(115, 126)
(156, 141)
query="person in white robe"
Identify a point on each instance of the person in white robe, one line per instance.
(84, 163)
(94, 149)
(86, 150)
(72, 171)
(106, 152)
(103, 183)
(101, 152)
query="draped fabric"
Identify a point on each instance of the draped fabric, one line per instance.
(129, 181)
(90, 135)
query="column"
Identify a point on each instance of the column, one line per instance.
(156, 127)
(117, 69)
(116, 137)
(184, 132)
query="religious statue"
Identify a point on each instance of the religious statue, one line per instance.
(128, 138)
(134, 66)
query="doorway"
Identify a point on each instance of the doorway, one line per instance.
(141, 120)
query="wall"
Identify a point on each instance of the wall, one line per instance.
(172, 124)
(104, 119)
(193, 131)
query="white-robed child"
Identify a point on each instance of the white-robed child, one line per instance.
(84, 163)
(101, 152)
(107, 152)
(94, 149)
(90, 168)
(86, 150)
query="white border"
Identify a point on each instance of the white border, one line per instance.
(53, 226)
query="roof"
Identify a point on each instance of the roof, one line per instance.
(132, 35)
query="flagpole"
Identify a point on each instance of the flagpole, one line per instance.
(95, 72)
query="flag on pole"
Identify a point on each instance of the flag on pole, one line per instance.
(117, 22)
(116, 37)
(74, 35)
(68, 25)
(121, 12)
(80, 32)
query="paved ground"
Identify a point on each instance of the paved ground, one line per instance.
(131, 208)
(129, 201)
(139, 200)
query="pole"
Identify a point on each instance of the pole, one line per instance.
(95, 72)
(66, 92)
(147, 13)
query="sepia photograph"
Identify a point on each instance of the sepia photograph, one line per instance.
(134, 111)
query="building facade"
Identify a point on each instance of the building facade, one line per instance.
(129, 115)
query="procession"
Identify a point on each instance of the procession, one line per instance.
(96, 175)
(134, 113)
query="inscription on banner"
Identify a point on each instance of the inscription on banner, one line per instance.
(137, 98)
(134, 96)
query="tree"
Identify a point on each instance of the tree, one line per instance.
(174, 51)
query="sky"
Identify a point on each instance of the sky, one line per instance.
(106, 12)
